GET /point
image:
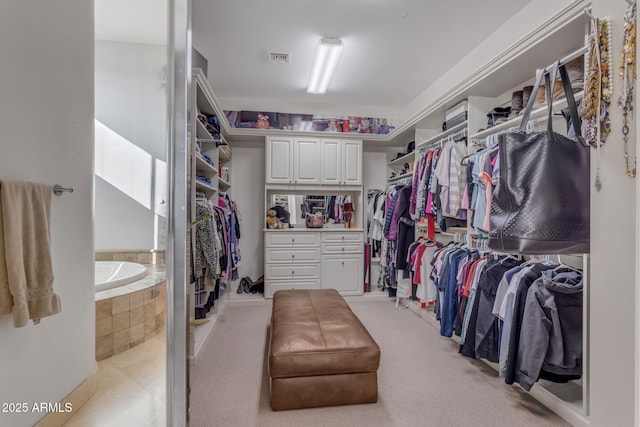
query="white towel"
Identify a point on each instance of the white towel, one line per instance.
(26, 272)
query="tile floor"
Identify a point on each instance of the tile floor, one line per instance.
(131, 389)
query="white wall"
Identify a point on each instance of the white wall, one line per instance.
(374, 170)
(130, 100)
(46, 135)
(613, 262)
(522, 23)
(247, 189)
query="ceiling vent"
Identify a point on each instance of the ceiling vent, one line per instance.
(280, 58)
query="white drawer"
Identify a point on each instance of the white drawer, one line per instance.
(271, 286)
(286, 238)
(337, 237)
(292, 271)
(291, 255)
(346, 248)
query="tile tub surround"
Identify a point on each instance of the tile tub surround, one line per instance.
(130, 315)
(153, 256)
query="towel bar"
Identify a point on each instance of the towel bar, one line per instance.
(59, 189)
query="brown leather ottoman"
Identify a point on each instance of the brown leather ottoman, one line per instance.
(320, 354)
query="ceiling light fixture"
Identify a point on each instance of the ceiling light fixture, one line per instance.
(324, 63)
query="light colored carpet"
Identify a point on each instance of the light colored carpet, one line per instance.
(422, 380)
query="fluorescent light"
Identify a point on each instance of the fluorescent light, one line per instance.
(327, 55)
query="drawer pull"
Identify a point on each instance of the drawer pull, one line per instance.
(342, 237)
(293, 240)
(343, 251)
(293, 256)
(293, 272)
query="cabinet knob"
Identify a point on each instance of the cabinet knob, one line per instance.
(342, 237)
(294, 272)
(293, 256)
(342, 262)
(293, 240)
(343, 251)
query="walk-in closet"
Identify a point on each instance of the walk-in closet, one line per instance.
(321, 214)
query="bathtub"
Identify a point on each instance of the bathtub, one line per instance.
(111, 274)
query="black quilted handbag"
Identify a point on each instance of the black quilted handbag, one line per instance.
(541, 201)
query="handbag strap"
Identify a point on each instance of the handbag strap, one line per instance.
(550, 81)
(571, 102)
(532, 100)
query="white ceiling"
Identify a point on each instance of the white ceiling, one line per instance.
(393, 50)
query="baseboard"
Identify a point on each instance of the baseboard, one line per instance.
(76, 399)
(247, 301)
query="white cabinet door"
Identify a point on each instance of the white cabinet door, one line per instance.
(344, 273)
(279, 160)
(331, 161)
(306, 163)
(351, 162)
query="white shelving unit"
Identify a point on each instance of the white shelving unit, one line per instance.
(442, 135)
(203, 102)
(538, 113)
(400, 177)
(570, 401)
(402, 159)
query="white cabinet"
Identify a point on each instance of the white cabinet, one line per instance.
(351, 162)
(314, 260)
(341, 162)
(342, 262)
(292, 260)
(306, 160)
(279, 154)
(344, 273)
(306, 164)
(331, 161)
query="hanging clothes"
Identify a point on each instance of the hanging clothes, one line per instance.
(216, 252)
(405, 228)
(421, 254)
(552, 325)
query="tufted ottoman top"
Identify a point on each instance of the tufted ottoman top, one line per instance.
(314, 332)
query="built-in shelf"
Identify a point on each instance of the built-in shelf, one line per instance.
(202, 167)
(223, 185)
(538, 113)
(399, 177)
(442, 135)
(224, 153)
(402, 159)
(202, 133)
(451, 231)
(204, 187)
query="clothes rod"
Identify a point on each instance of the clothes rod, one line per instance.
(453, 136)
(568, 58)
(59, 189)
